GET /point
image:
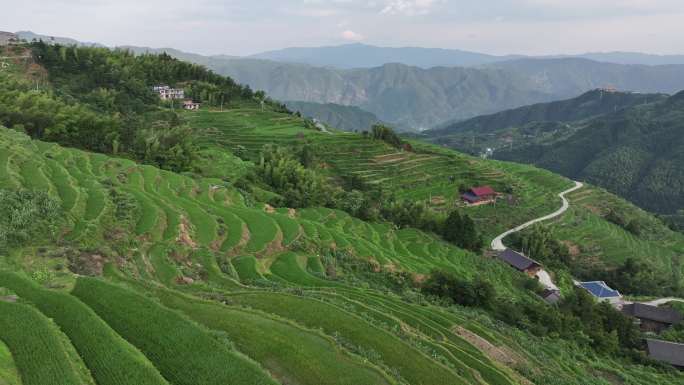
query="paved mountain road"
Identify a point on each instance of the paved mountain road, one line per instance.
(497, 243)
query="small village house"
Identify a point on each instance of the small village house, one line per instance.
(601, 291)
(168, 93)
(669, 352)
(520, 262)
(652, 318)
(551, 296)
(190, 105)
(476, 196)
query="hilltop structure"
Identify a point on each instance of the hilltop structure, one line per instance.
(191, 105)
(482, 195)
(601, 291)
(168, 93)
(652, 318)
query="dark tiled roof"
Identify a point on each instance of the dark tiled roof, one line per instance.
(517, 260)
(653, 313)
(670, 352)
(599, 289)
(551, 296)
(470, 197)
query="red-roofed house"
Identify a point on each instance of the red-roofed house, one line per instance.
(480, 195)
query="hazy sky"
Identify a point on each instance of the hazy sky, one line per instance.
(242, 27)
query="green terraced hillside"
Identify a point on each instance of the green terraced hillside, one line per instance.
(115, 271)
(189, 262)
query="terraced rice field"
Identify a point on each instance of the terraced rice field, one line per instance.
(218, 291)
(429, 173)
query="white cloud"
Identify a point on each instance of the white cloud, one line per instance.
(409, 7)
(351, 36)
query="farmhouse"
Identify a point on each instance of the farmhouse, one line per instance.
(479, 195)
(551, 296)
(190, 105)
(168, 93)
(670, 352)
(520, 262)
(652, 318)
(601, 291)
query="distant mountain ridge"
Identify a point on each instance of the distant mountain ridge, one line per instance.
(359, 55)
(347, 118)
(423, 98)
(635, 149)
(588, 105)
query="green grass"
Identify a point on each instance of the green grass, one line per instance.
(184, 353)
(411, 364)
(38, 352)
(110, 359)
(9, 375)
(292, 354)
(246, 267)
(292, 268)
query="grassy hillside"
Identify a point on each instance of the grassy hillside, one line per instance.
(207, 276)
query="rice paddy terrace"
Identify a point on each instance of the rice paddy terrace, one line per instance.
(428, 173)
(434, 174)
(200, 287)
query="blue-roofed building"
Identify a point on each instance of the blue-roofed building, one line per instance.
(601, 291)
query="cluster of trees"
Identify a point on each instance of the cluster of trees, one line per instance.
(634, 226)
(461, 230)
(478, 292)
(102, 100)
(292, 174)
(632, 276)
(639, 277)
(540, 244)
(286, 174)
(577, 317)
(386, 134)
(26, 215)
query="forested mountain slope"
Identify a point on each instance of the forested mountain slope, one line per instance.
(240, 245)
(588, 105)
(636, 153)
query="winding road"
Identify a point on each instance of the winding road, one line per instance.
(497, 243)
(544, 277)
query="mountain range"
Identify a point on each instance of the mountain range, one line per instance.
(630, 144)
(408, 95)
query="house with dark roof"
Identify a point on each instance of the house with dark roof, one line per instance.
(479, 195)
(520, 262)
(669, 352)
(652, 318)
(601, 291)
(551, 296)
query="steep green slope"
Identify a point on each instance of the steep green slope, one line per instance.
(429, 334)
(538, 123)
(635, 153)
